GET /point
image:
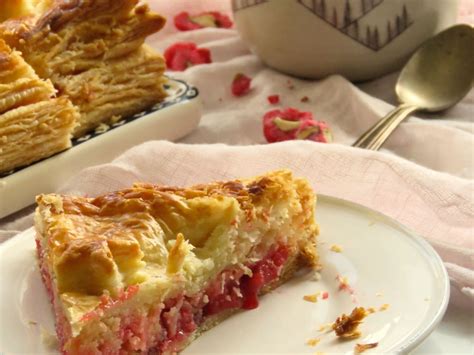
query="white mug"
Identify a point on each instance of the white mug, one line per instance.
(359, 39)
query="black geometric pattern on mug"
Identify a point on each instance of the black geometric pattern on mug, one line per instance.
(238, 5)
(351, 21)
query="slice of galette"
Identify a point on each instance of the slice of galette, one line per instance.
(149, 268)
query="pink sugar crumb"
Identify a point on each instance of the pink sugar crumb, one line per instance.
(273, 99)
(344, 285)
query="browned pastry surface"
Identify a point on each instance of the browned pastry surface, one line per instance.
(166, 243)
(346, 326)
(137, 224)
(93, 52)
(19, 85)
(14, 9)
(33, 124)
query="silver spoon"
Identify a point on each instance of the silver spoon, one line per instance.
(438, 75)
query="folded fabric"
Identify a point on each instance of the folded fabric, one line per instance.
(440, 143)
(437, 206)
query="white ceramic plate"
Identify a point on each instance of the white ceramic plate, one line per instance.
(383, 261)
(170, 119)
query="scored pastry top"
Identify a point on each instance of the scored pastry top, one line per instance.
(32, 16)
(11, 9)
(72, 36)
(156, 236)
(93, 51)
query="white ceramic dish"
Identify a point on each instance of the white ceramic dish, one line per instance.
(384, 262)
(171, 119)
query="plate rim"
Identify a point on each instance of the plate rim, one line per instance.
(434, 260)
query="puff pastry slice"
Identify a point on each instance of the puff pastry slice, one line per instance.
(147, 269)
(93, 51)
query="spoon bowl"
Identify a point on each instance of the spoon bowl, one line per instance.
(436, 77)
(440, 73)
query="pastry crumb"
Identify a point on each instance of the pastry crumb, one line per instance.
(371, 310)
(344, 284)
(115, 118)
(316, 276)
(325, 327)
(313, 341)
(346, 326)
(379, 294)
(427, 299)
(312, 298)
(32, 322)
(336, 248)
(384, 307)
(102, 128)
(360, 348)
(49, 339)
(304, 99)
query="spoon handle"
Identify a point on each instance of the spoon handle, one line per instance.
(376, 136)
(371, 133)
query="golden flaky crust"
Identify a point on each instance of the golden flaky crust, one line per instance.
(166, 242)
(19, 85)
(54, 16)
(346, 326)
(117, 88)
(33, 124)
(121, 233)
(93, 51)
(22, 9)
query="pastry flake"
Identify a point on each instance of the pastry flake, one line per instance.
(14, 9)
(346, 326)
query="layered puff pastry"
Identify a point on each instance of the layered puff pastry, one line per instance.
(93, 51)
(147, 269)
(33, 124)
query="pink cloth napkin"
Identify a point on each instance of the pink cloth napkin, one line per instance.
(436, 205)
